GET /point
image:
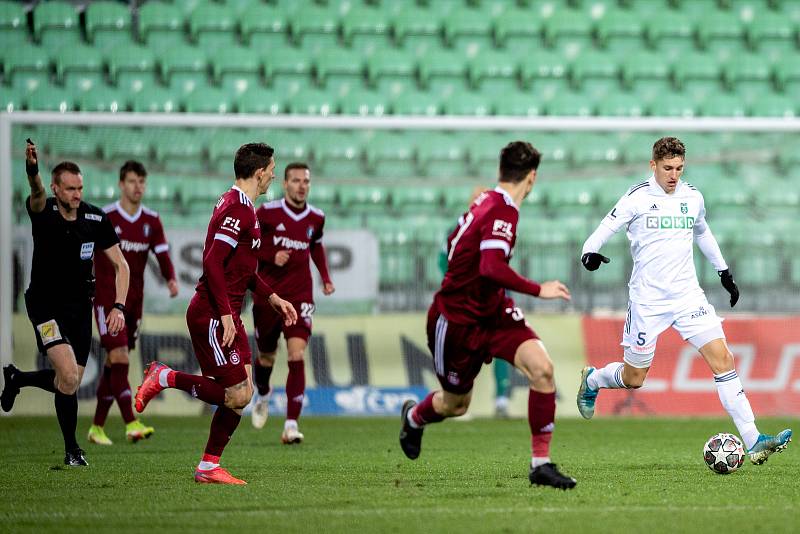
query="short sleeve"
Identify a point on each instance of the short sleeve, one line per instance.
(318, 232)
(158, 241)
(623, 212)
(236, 219)
(106, 236)
(500, 229)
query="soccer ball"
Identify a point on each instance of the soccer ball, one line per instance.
(723, 453)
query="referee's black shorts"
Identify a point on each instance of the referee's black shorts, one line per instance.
(56, 323)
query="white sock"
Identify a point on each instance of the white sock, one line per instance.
(536, 462)
(609, 377)
(501, 403)
(290, 423)
(411, 420)
(731, 394)
(207, 466)
(162, 378)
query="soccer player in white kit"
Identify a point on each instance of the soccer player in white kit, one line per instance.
(664, 217)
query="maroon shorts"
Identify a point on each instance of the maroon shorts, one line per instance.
(224, 364)
(127, 336)
(459, 351)
(269, 324)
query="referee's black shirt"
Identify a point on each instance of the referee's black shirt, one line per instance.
(62, 271)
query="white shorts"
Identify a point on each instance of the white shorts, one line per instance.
(645, 322)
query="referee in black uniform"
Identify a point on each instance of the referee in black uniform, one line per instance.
(67, 233)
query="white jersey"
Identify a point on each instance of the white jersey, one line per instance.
(662, 229)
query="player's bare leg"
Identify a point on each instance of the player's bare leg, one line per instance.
(295, 390)
(436, 407)
(532, 359)
(734, 400)
(262, 371)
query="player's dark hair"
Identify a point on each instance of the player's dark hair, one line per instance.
(295, 165)
(133, 166)
(668, 148)
(251, 157)
(64, 166)
(517, 159)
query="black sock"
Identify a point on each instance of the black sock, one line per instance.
(262, 375)
(67, 413)
(43, 379)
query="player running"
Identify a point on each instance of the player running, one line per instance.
(291, 232)
(664, 216)
(230, 257)
(472, 320)
(140, 231)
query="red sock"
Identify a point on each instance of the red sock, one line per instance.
(104, 398)
(423, 413)
(223, 424)
(541, 414)
(295, 389)
(200, 387)
(122, 390)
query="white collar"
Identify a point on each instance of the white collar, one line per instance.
(243, 195)
(507, 195)
(130, 218)
(293, 215)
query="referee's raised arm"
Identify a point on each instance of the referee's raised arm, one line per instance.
(38, 195)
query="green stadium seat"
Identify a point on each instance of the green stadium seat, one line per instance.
(290, 145)
(323, 195)
(213, 27)
(416, 103)
(366, 30)
(778, 200)
(494, 71)
(443, 72)
(787, 75)
(476, 104)
(545, 74)
(359, 102)
(724, 105)
(620, 31)
(483, 151)
(313, 102)
(391, 71)
(568, 30)
(733, 202)
(120, 144)
(105, 99)
(595, 152)
(570, 104)
(761, 266)
(79, 68)
(288, 71)
(132, 68)
(438, 156)
(749, 75)
(416, 199)
(72, 143)
(774, 105)
(468, 30)
(647, 74)
(184, 68)
(163, 192)
(699, 75)
(518, 103)
(56, 24)
(555, 153)
(155, 99)
(621, 105)
(456, 198)
(364, 198)
(261, 102)
(596, 73)
(178, 149)
(13, 22)
(340, 70)
(418, 31)
(222, 145)
(208, 100)
(721, 33)
(50, 99)
(549, 257)
(108, 24)
(236, 69)
(772, 34)
(390, 155)
(161, 25)
(264, 27)
(27, 67)
(674, 105)
(675, 40)
(576, 197)
(518, 28)
(338, 154)
(317, 29)
(12, 99)
(198, 192)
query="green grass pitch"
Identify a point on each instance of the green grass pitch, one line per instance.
(634, 475)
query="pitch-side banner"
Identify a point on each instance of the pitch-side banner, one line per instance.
(767, 355)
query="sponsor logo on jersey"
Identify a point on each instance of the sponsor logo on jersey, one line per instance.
(654, 207)
(257, 243)
(280, 228)
(231, 224)
(701, 311)
(133, 246)
(93, 217)
(501, 228)
(87, 250)
(49, 332)
(654, 222)
(289, 243)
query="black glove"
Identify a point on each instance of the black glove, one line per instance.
(591, 260)
(730, 286)
(32, 169)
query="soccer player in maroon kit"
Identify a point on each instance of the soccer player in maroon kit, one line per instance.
(230, 258)
(140, 231)
(472, 320)
(291, 233)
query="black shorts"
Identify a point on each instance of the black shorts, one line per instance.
(56, 323)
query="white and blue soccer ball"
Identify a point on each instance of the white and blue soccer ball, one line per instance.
(723, 453)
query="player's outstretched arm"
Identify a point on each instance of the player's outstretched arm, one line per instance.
(116, 317)
(38, 195)
(590, 257)
(554, 289)
(494, 267)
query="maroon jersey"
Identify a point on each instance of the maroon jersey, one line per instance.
(299, 231)
(491, 223)
(138, 234)
(233, 223)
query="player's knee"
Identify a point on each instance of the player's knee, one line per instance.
(296, 355)
(238, 397)
(118, 356)
(68, 382)
(456, 408)
(266, 359)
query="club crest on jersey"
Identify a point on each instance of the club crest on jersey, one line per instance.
(309, 232)
(684, 208)
(234, 357)
(501, 228)
(146, 229)
(118, 230)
